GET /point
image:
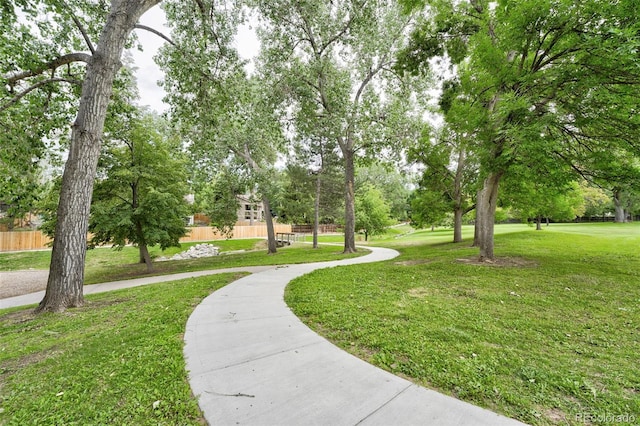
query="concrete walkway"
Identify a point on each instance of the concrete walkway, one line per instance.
(252, 362)
(33, 298)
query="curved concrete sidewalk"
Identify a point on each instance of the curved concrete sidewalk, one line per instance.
(252, 362)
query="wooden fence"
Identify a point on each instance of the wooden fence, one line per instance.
(36, 240)
(23, 240)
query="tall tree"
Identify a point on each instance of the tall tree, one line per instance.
(315, 180)
(335, 56)
(596, 201)
(539, 79)
(226, 116)
(59, 39)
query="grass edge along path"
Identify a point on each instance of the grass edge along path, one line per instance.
(105, 265)
(548, 336)
(117, 360)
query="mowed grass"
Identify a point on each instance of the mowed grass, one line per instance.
(107, 257)
(104, 264)
(117, 360)
(548, 335)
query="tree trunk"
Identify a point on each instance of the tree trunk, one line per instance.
(617, 201)
(476, 232)
(457, 225)
(271, 234)
(349, 203)
(457, 197)
(142, 244)
(145, 257)
(485, 215)
(316, 211)
(539, 223)
(66, 271)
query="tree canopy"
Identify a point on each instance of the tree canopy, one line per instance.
(536, 82)
(140, 194)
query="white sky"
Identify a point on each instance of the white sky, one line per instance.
(148, 73)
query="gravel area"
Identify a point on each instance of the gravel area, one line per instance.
(16, 283)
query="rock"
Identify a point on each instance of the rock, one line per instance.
(194, 252)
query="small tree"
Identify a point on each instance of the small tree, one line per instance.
(596, 201)
(372, 212)
(141, 199)
(448, 183)
(537, 201)
(218, 199)
(393, 185)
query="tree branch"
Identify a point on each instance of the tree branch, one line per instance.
(34, 87)
(344, 29)
(156, 32)
(84, 34)
(62, 60)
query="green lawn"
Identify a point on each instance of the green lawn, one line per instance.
(548, 333)
(116, 361)
(105, 264)
(106, 257)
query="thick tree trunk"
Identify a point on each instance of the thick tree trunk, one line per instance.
(271, 234)
(66, 272)
(539, 223)
(486, 213)
(349, 203)
(316, 211)
(457, 225)
(617, 201)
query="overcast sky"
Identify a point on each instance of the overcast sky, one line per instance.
(148, 73)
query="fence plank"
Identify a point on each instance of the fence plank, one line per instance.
(36, 240)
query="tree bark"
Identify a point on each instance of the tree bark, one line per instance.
(66, 272)
(316, 211)
(617, 201)
(457, 198)
(457, 225)
(485, 215)
(271, 234)
(539, 223)
(145, 256)
(349, 203)
(476, 227)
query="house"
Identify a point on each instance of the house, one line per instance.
(250, 210)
